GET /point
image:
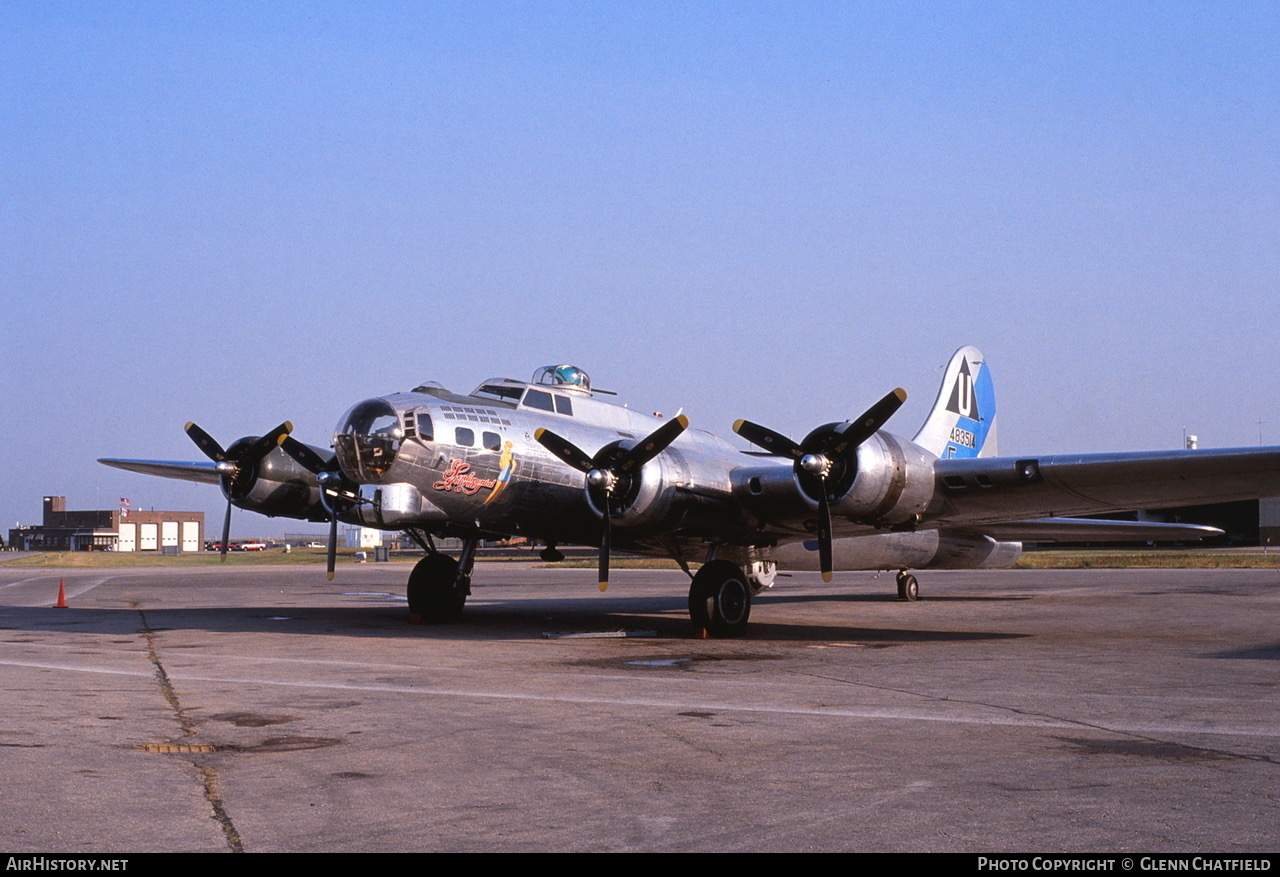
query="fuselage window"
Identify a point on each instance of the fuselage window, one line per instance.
(492, 440)
(464, 437)
(426, 431)
(538, 399)
(564, 405)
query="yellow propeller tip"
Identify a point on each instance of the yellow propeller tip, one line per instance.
(826, 576)
(604, 586)
(901, 394)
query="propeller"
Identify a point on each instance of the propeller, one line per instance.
(333, 486)
(237, 463)
(822, 456)
(611, 470)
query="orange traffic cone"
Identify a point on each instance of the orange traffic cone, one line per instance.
(62, 597)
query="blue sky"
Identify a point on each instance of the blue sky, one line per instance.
(242, 213)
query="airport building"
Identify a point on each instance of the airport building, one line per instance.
(120, 529)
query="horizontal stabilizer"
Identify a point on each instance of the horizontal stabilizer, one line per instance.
(1093, 530)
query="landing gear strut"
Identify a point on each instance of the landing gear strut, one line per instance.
(720, 599)
(439, 585)
(908, 587)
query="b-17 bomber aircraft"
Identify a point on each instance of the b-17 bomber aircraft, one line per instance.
(551, 460)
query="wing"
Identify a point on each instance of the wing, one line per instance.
(204, 473)
(1006, 489)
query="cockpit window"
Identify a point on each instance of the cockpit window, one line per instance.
(499, 392)
(548, 402)
(368, 439)
(538, 399)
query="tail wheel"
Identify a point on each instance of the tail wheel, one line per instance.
(908, 587)
(435, 593)
(720, 599)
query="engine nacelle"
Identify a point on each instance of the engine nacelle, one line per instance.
(276, 486)
(640, 498)
(884, 482)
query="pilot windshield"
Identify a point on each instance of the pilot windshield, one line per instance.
(368, 439)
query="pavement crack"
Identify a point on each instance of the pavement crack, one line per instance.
(208, 773)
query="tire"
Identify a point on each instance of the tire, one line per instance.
(908, 588)
(720, 600)
(435, 594)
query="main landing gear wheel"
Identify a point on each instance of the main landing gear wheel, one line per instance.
(908, 587)
(720, 599)
(435, 593)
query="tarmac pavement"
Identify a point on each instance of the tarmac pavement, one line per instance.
(265, 709)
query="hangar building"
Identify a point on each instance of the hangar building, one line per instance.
(110, 530)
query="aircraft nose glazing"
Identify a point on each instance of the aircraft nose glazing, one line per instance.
(367, 441)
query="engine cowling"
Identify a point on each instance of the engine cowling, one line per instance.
(884, 482)
(275, 486)
(639, 498)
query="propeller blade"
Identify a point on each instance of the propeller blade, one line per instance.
(226, 531)
(307, 458)
(824, 533)
(564, 450)
(653, 445)
(604, 549)
(858, 431)
(331, 561)
(206, 443)
(265, 444)
(602, 476)
(766, 439)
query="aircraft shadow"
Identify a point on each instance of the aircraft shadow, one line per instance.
(496, 621)
(1255, 653)
(889, 596)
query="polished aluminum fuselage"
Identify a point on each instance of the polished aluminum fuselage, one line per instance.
(477, 468)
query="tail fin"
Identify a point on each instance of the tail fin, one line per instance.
(963, 420)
